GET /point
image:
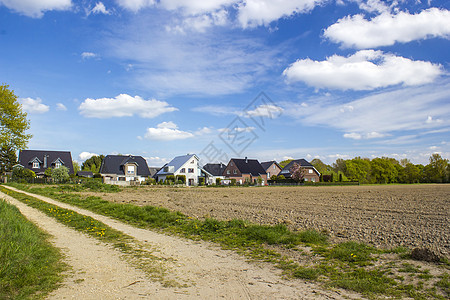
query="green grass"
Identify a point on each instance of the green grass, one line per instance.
(30, 267)
(350, 265)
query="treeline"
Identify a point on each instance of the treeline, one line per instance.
(385, 170)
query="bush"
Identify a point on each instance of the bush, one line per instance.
(233, 182)
(181, 178)
(60, 174)
(170, 178)
(218, 180)
(23, 173)
(201, 181)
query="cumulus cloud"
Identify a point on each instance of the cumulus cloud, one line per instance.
(124, 105)
(34, 106)
(86, 155)
(387, 29)
(254, 13)
(195, 7)
(366, 136)
(60, 106)
(364, 70)
(167, 131)
(36, 9)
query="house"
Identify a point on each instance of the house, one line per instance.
(271, 167)
(216, 171)
(153, 170)
(245, 170)
(187, 165)
(85, 174)
(124, 169)
(310, 173)
(40, 160)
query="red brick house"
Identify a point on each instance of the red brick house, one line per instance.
(245, 170)
(272, 168)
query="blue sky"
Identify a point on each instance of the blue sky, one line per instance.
(231, 78)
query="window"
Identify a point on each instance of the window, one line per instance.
(35, 165)
(313, 180)
(183, 170)
(57, 164)
(130, 170)
(192, 161)
(268, 174)
(231, 164)
(234, 172)
(274, 167)
(310, 171)
(191, 170)
(228, 172)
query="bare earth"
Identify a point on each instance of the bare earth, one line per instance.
(387, 216)
(201, 270)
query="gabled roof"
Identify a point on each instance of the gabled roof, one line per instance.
(302, 162)
(114, 164)
(267, 164)
(249, 166)
(176, 163)
(215, 169)
(27, 157)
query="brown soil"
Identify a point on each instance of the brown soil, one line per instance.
(386, 216)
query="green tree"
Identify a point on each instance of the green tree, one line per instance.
(76, 167)
(93, 164)
(60, 174)
(436, 170)
(320, 166)
(48, 172)
(410, 174)
(383, 170)
(358, 169)
(13, 125)
(8, 158)
(284, 163)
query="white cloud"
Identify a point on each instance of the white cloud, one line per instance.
(60, 106)
(135, 5)
(267, 111)
(124, 105)
(204, 131)
(36, 9)
(86, 155)
(364, 70)
(375, 6)
(87, 55)
(34, 105)
(254, 13)
(399, 112)
(100, 8)
(217, 110)
(202, 22)
(387, 29)
(195, 7)
(156, 161)
(167, 131)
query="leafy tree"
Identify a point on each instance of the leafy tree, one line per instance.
(60, 174)
(48, 172)
(8, 158)
(410, 174)
(298, 172)
(23, 173)
(436, 170)
(357, 169)
(281, 177)
(339, 165)
(93, 164)
(383, 170)
(273, 177)
(76, 167)
(320, 166)
(13, 126)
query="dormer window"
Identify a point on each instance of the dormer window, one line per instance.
(35, 165)
(57, 164)
(130, 170)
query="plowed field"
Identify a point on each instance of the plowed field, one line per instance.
(387, 216)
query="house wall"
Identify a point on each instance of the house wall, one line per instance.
(191, 164)
(231, 169)
(273, 170)
(311, 175)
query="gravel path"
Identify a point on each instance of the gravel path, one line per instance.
(206, 271)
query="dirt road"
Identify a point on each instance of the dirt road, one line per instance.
(199, 270)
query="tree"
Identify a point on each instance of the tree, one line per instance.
(23, 173)
(436, 170)
(8, 158)
(383, 170)
(76, 167)
(320, 166)
(60, 174)
(357, 169)
(93, 164)
(298, 172)
(284, 163)
(13, 126)
(409, 174)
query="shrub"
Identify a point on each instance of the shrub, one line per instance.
(218, 180)
(181, 178)
(201, 181)
(23, 173)
(170, 178)
(233, 182)
(60, 174)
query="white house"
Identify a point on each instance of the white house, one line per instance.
(187, 165)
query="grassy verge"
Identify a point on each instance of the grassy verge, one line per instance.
(352, 266)
(29, 266)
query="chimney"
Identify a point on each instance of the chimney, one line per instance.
(246, 160)
(45, 161)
